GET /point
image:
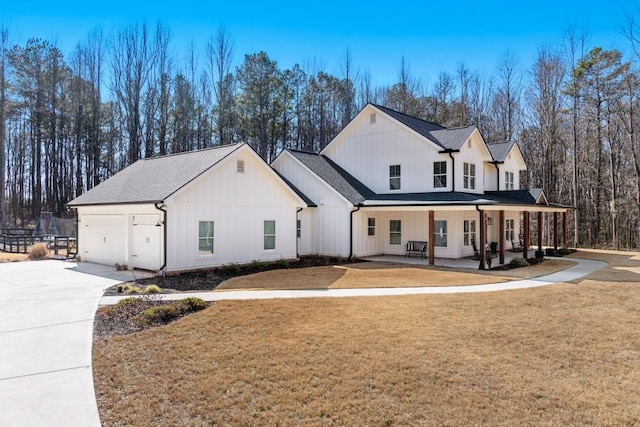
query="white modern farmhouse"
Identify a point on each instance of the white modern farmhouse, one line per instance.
(388, 179)
(188, 211)
(388, 183)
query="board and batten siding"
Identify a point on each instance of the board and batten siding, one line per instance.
(473, 151)
(238, 203)
(330, 219)
(367, 150)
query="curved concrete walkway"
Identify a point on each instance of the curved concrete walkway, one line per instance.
(46, 331)
(583, 268)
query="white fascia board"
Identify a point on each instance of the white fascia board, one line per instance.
(325, 183)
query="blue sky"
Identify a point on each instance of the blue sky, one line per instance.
(432, 36)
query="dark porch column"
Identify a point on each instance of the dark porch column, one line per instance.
(555, 231)
(525, 234)
(540, 222)
(482, 244)
(432, 242)
(564, 229)
(501, 219)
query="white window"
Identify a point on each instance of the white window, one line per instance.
(205, 237)
(440, 233)
(298, 228)
(439, 174)
(395, 232)
(469, 231)
(469, 176)
(269, 235)
(371, 226)
(509, 232)
(508, 181)
(394, 177)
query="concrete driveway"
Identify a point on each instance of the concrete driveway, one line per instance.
(46, 329)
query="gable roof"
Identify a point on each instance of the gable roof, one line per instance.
(154, 179)
(533, 196)
(339, 179)
(500, 150)
(447, 138)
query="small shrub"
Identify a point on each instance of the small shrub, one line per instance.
(519, 262)
(160, 314)
(230, 269)
(191, 304)
(129, 288)
(282, 263)
(565, 251)
(39, 251)
(127, 301)
(258, 265)
(152, 289)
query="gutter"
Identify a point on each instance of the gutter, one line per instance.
(351, 231)
(164, 239)
(496, 163)
(450, 152)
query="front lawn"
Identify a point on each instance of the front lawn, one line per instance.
(566, 354)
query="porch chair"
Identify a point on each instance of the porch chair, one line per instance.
(493, 249)
(476, 254)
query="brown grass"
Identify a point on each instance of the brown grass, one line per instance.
(11, 257)
(382, 274)
(558, 355)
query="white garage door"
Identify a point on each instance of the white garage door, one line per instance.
(146, 242)
(102, 239)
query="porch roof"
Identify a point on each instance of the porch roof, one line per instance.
(523, 200)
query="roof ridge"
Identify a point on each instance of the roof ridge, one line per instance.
(408, 115)
(302, 151)
(218, 147)
(456, 128)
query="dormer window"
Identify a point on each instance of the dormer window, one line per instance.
(469, 176)
(439, 174)
(394, 177)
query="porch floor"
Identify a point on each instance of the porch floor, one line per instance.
(468, 262)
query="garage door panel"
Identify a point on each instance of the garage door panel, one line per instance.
(146, 242)
(103, 239)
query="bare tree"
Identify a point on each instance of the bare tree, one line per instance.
(4, 64)
(220, 55)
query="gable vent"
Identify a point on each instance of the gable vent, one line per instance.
(240, 166)
(372, 118)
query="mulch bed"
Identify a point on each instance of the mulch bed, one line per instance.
(208, 280)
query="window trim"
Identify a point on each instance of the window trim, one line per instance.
(440, 178)
(265, 235)
(371, 226)
(509, 230)
(469, 176)
(469, 235)
(393, 233)
(437, 234)
(202, 253)
(509, 180)
(395, 177)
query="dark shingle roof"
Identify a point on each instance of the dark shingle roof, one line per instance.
(451, 139)
(500, 150)
(154, 179)
(345, 184)
(514, 197)
(521, 196)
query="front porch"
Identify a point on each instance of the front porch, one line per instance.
(467, 262)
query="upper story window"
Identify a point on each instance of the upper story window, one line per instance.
(469, 176)
(508, 181)
(439, 174)
(394, 177)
